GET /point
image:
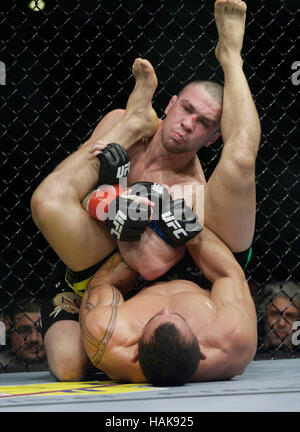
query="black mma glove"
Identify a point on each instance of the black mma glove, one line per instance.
(114, 164)
(128, 215)
(178, 223)
(156, 193)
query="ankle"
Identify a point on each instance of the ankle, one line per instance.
(229, 59)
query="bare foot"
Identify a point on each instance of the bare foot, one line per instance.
(230, 17)
(139, 120)
(139, 105)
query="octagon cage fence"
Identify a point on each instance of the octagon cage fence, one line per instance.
(65, 64)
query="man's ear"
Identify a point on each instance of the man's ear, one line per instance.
(214, 138)
(172, 101)
(135, 356)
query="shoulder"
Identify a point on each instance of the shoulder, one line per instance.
(94, 322)
(109, 321)
(227, 355)
(238, 336)
(104, 330)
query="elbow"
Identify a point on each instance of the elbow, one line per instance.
(235, 272)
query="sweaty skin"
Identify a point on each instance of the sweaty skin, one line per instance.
(167, 155)
(223, 320)
(226, 203)
(153, 160)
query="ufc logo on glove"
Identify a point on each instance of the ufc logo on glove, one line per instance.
(173, 223)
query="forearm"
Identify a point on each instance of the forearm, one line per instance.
(219, 266)
(115, 272)
(107, 286)
(230, 291)
(213, 257)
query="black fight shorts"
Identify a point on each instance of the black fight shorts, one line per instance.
(60, 303)
(64, 290)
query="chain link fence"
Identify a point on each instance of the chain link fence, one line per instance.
(65, 64)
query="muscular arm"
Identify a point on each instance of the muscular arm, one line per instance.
(218, 264)
(236, 321)
(113, 276)
(230, 292)
(213, 257)
(104, 299)
(100, 304)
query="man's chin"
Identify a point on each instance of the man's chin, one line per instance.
(174, 148)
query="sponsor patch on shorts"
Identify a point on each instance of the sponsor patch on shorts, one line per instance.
(66, 301)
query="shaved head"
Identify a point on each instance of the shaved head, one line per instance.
(214, 89)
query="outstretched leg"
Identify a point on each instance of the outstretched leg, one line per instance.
(230, 196)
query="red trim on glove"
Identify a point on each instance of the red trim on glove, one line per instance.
(101, 199)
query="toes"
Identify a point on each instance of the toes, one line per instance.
(138, 67)
(231, 6)
(220, 4)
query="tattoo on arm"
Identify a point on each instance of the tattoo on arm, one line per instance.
(110, 265)
(116, 271)
(89, 306)
(100, 345)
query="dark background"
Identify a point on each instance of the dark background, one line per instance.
(70, 64)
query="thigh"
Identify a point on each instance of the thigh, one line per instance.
(230, 204)
(66, 356)
(78, 239)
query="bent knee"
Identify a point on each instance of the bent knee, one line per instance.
(65, 373)
(48, 199)
(66, 356)
(43, 208)
(70, 366)
(239, 172)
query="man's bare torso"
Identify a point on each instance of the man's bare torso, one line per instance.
(190, 301)
(152, 256)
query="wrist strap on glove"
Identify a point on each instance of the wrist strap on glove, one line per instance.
(114, 164)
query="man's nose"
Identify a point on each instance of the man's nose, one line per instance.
(165, 311)
(188, 123)
(34, 336)
(282, 322)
